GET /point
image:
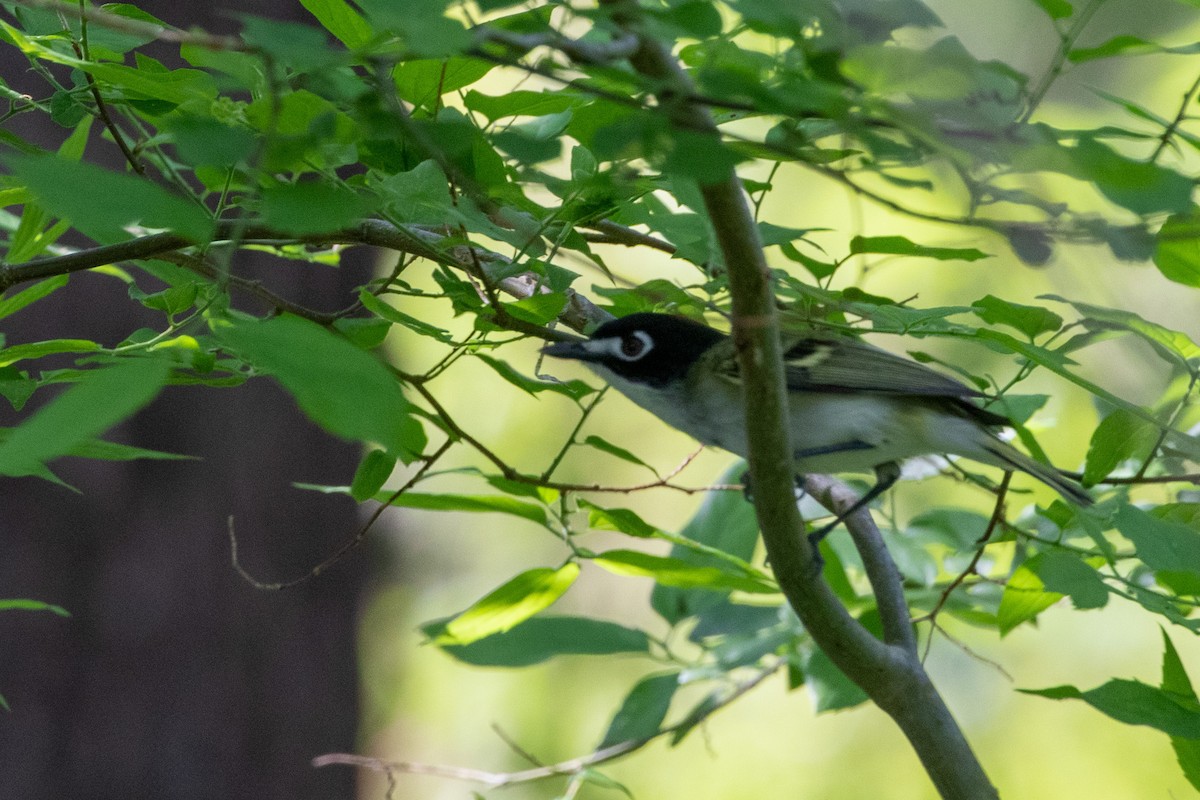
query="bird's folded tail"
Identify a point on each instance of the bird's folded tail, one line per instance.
(1011, 458)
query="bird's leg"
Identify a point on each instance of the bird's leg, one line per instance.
(886, 476)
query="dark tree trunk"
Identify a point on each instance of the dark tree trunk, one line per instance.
(174, 678)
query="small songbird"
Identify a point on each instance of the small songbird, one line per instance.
(852, 407)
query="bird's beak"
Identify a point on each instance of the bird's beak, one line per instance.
(577, 351)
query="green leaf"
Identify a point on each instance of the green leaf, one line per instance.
(16, 387)
(539, 309)
(373, 471)
(1025, 596)
(1187, 753)
(171, 86)
(32, 605)
(891, 70)
(102, 203)
(1119, 437)
(701, 157)
(1160, 543)
(291, 45)
(313, 207)
(425, 28)
(676, 572)
(725, 522)
(1056, 9)
(395, 315)
(337, 17)
(541, 638)
(1174, 344)
(121, 41)
(422, 81)
(23, 352)
(1066, 574)
(1056, 361)
(499, 504)
(1029, 320)
(171, 301)
(1175, 679)
(31, 294)
(572, 389)
(1133, 703)
(1140, 186)
(1177, 252)
(343, 389)
(831, 690)
(511, 604)
(521, 103)
(421, 196)
(101, 398)
(205, 141)
(902, 246)
(641, 714)
(1126, 44)
(605, 446)
(618, 519)
(101, 450)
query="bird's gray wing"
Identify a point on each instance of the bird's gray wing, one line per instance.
(837, 364)
(844, 364)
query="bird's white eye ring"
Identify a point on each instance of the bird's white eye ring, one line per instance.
(634, 346)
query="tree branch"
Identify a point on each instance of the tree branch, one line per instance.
(885, 579)
(578, 315)
(891, 675)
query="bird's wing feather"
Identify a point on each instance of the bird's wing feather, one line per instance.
(826, 364)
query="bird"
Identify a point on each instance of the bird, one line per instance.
(852, 407)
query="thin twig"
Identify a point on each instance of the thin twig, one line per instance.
(512, 474)
(496, 780)
(346, 547)
(1067, 41)
(980, 544)
(1180, 115)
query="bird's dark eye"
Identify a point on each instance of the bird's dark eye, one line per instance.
(633, 346)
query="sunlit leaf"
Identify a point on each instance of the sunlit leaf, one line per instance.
(1177, 254)
(510, 604)
(675, 572)
(499, 504)
(1025, 596)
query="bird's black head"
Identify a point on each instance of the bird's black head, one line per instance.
(652, 349)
